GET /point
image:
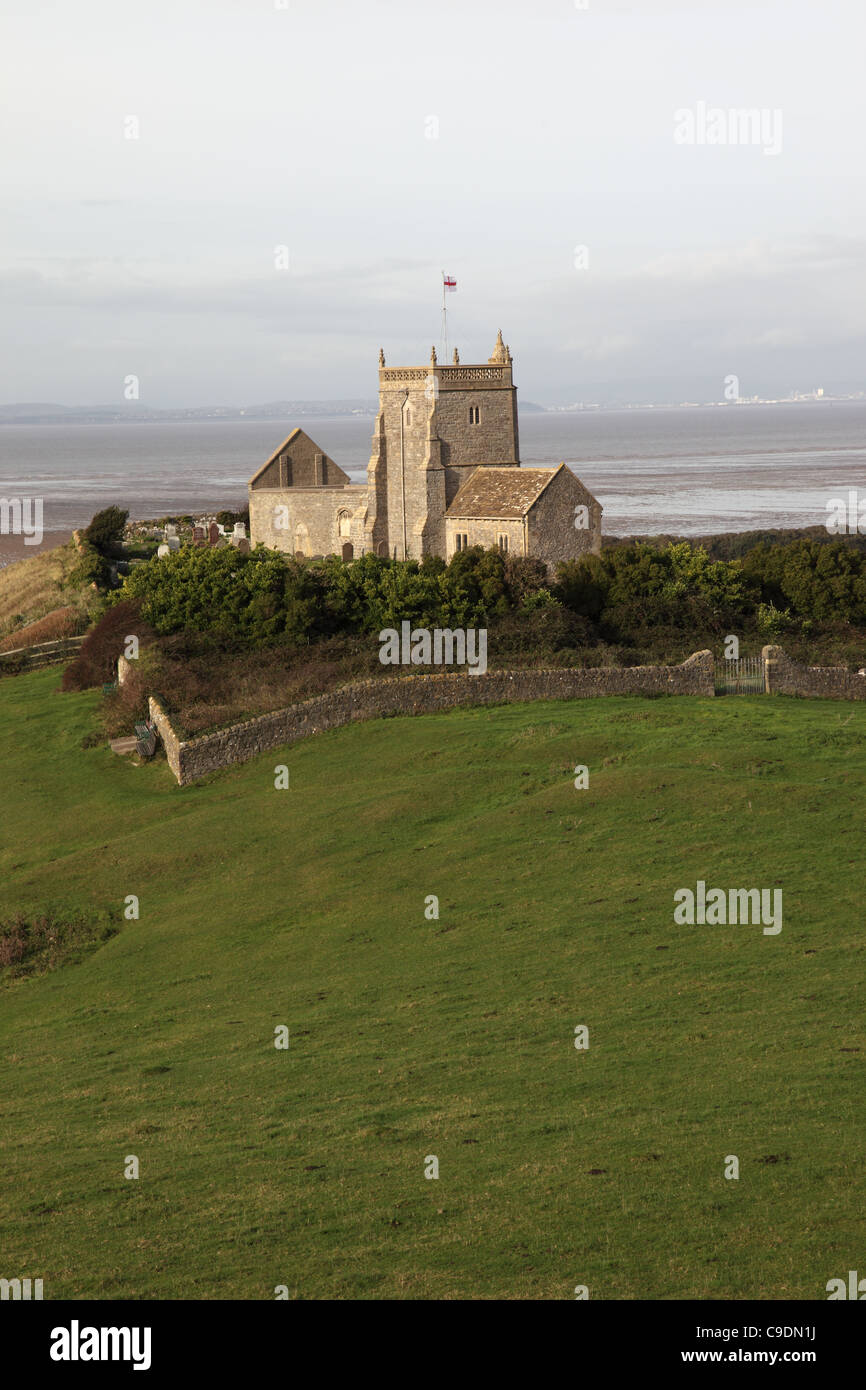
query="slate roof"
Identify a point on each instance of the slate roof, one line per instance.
(501, 492)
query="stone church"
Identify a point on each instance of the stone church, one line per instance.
(444, 474)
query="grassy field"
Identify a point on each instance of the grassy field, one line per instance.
(453, 1037)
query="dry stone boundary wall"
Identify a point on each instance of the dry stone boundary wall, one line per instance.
(426, 694)
(782, 676)
(418, 694)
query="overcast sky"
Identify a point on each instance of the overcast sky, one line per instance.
(382, 141)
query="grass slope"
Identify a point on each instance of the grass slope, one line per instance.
(37, 585)
(453, 1037)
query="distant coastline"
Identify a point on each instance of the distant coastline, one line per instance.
(286, 411)
(49, 413)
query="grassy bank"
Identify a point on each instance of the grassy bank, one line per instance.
(453, 1037)
(39, 585)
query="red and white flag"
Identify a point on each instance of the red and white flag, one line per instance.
(448, 282)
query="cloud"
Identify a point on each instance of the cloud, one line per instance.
(773, 312)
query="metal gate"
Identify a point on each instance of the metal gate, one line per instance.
(744, 676)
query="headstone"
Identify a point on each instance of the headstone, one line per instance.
(163, 551)
(173, 542)
(240, 529)
(170, 530)
(213, 533)
(198, 535)
(243, 545)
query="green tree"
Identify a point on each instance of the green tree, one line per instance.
(105, 532)
(254, 599)
(583, 585)
(825, 581)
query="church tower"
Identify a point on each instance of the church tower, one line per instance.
(435, 426)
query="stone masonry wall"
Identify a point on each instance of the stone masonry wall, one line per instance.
(786, 677)
(422, 488)
(422, 694)
(552, 532)
(480, 531)
(491, 441)
(302, 464)
(170, 741)
(317, 508)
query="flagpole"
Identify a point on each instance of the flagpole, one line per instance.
(444, 323)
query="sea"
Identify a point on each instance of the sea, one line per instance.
(676, 471)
